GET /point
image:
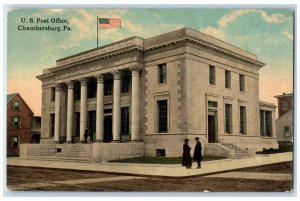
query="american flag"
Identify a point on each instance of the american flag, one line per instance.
(108, 23)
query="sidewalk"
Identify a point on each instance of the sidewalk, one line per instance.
(208, 167)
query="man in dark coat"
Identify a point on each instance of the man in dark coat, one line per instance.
(86, 134)
(197, 152)
(186, 156)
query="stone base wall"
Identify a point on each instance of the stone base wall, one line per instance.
(103, 152)
(37, 150)
(171, 143)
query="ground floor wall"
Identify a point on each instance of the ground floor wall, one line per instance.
(15, 139)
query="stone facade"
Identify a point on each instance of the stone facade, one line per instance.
(170, 97)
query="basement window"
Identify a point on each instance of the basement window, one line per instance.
(160, 152)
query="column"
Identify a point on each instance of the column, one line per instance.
(135, 103)
(58, 88)
(117, 106)
(83, 107)
(100, 108)
(70, 110)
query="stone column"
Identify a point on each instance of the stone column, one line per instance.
(70, 111)
(117, 106)
(83, 107)
(135, 103)
(100, 108)
(58, 88)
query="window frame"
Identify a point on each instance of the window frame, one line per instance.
(228, 130)
(242, 83)
(212, 75)
(227, 79)
(243, 120)
(162, 73)
(13, 143)
(18, 125)
(162, 126)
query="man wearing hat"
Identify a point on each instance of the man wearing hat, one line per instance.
(186, 156)
(197, 153)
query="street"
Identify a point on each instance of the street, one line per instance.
(268, 178)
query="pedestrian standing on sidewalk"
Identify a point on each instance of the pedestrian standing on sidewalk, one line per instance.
(86, 134)
(186, 156)
(197, 152)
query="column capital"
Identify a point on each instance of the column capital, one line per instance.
(135, 69)
(70, 84)
(58, 86)
(116, 74)
(83, 81)
(99, 77)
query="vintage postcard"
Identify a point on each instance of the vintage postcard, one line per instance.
(150, 99)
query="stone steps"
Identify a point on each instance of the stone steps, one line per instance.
(238, 153)
(73, 153)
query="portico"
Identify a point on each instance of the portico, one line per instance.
(132, 94)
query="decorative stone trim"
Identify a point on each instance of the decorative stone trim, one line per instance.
(100, 78)
(135, 70)
(83, 81)
(58, 86)
(70, 84)
(116, 74)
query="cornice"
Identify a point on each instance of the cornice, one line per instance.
(209, 47)
(96, 58)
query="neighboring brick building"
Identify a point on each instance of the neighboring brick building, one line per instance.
(19, 120)
(284, 123)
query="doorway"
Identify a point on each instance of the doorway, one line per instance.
(107, 129)
(211, 119)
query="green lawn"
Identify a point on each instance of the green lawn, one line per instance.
(162, 160)
(281, 149)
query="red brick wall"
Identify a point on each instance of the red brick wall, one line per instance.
(289, 100)
(24, 132)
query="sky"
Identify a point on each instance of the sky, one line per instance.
(268, 33)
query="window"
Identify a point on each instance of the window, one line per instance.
(108, 85)
(228, 118)
(125, 83)
(242, 119)
(242, 83)
(16, 106)
(212, 75)
(212, 104)
(162, 116)
(15, 142)
(162, 73)
(125, 121)
(227, 79)
(285, 105)
(52, 125)
(52, 94)
(160, 152)
(266, 123)
(16, 122)
(286, 131)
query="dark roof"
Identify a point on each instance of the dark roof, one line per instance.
(10, 97)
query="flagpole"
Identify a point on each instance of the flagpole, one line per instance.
(97, 32)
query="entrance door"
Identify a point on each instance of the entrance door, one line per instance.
(107, 128)
(212, 129)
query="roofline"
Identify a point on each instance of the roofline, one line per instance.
(17, 94)
(284, 95)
